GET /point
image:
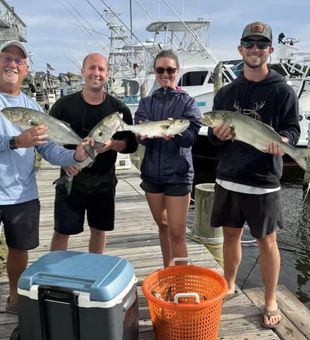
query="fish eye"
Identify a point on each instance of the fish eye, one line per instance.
(100, 134)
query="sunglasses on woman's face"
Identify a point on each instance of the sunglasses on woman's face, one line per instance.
(169, 70)
(261, 44)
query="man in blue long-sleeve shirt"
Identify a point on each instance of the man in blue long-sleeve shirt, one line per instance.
(19, 203)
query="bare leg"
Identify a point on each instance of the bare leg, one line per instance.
(177, 208)
(157, 205)
(59, 241)
(232, 255)
(270, 269)
(97, 241)
(16, 263)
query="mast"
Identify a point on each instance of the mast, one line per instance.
(130, 11)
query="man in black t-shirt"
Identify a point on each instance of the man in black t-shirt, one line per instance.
(93, 188)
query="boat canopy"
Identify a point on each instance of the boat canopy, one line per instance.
(176, 26)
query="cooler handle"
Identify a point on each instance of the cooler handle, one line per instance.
(62, 295)
(130, 301)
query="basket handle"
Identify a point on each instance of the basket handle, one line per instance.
(180, 259)
(186, 295)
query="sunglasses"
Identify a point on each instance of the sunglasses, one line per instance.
(7, 60)
(169, 70)
(261, 44)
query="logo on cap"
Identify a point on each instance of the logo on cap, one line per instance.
(257, 28)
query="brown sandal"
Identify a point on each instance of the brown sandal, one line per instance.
(267, 314)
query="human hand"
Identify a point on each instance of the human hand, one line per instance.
(72, 170)
(223, 132)
(81, 150)
(112, 144)
(36, 135)
(275, 149)
(167, 137)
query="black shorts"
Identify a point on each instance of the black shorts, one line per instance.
(69, 211)
(262, 213)
(21, 224)
(168, 189)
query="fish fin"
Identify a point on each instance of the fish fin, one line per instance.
(122, 126)
(306, 193)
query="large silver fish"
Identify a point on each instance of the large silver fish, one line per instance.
(58, 131)
(251, 131)
(157, 128)
(102, 133)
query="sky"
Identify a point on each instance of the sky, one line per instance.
(62, 32)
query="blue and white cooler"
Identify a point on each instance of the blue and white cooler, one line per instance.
(67, 295)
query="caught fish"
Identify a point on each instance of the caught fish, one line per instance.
(253, 132)
(157, 295)
(58, 131)
(157, 128)
(106, 128)
(102, 133)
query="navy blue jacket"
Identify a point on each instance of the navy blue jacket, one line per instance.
(169, 161)
(277, 105)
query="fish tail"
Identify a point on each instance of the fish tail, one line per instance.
(66, 181)
(301, 156)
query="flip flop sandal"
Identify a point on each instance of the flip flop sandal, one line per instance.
(230, 296)
(267, 314)
(9, 308)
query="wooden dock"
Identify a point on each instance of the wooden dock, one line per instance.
(136, 238)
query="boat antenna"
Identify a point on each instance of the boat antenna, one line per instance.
(122, 22)
(192, 32)
(130, 11)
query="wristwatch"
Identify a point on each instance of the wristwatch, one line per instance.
(13, 143)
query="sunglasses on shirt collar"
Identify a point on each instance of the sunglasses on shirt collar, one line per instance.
(261, 44)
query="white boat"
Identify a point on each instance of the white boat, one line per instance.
(295, 67)
(200, 72)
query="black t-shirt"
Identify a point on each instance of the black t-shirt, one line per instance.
(82, 117)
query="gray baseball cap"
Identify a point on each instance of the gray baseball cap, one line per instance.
(15, 43)
(259, 29)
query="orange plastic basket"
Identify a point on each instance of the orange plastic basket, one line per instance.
(195, 316)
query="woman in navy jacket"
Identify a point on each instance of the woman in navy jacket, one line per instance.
(167, 168)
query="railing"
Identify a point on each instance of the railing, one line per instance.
(9, 19)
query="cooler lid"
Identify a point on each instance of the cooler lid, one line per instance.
(102, 276)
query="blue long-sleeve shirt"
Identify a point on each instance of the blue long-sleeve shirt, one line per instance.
(17, 167)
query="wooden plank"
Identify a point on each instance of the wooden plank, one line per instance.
(288, 328)
(136, 238)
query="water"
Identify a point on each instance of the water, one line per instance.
(294, 245)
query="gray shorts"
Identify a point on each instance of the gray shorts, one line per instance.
(69, 211)
(168, 189)
(262, 213)
(21, 224)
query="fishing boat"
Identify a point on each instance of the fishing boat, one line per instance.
(201, 74)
